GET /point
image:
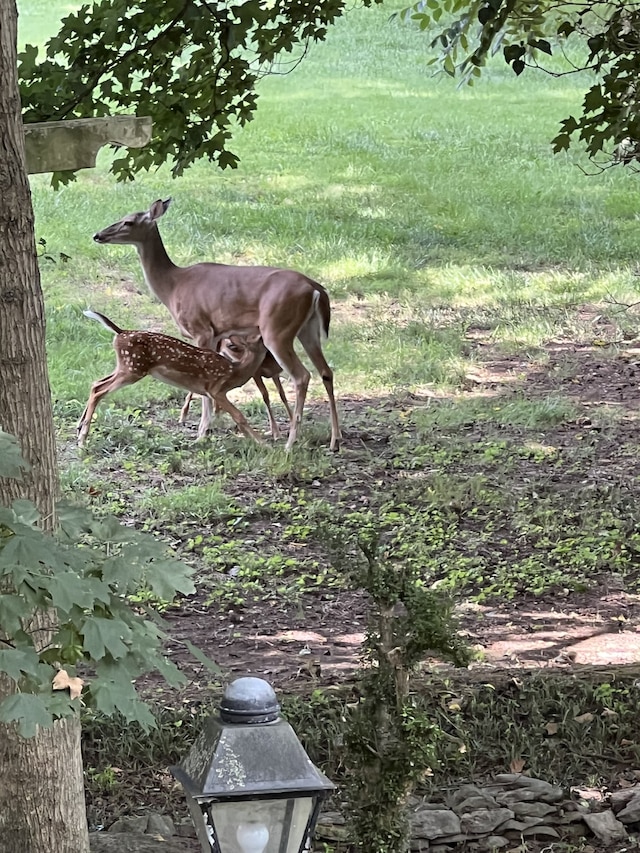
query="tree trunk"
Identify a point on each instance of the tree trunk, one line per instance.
(41, 784)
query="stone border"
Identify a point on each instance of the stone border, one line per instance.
(509, 808)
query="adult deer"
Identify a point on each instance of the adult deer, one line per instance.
(176, 362)
(206, 298)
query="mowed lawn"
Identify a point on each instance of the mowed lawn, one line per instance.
(458, 252)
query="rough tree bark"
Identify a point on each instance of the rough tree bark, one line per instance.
(41, 784)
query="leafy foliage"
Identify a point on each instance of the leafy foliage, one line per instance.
(390, 740)
(87, 573)
(465, 34)
(192, 65)
(11, 462)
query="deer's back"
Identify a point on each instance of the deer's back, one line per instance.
(208, 298)
(147, 351)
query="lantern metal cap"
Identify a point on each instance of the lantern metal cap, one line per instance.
(249, 700)
(249, 751)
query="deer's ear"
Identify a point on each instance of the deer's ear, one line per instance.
(253, 339)
(159, 208)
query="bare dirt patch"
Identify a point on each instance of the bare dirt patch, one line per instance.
(313, 638)
(317, 637)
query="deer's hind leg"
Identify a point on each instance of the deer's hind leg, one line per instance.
(99, 390)
(310, 338)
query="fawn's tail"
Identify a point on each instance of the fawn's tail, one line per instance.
(106, 322)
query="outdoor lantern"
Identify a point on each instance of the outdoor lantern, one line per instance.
(250, 786)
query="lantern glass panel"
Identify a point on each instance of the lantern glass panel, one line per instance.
(262, 826)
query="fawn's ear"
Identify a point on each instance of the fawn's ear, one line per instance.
(233, 344)
(252, 340)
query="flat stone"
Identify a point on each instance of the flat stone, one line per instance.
(572, 806)
(521, 795)
(134, 842)
(509, 778)
(541, 831)
(568, 818)
(434, 823)
(619, 799)
(521, 825)
(186, 829)
(160, 824)
(484, 821)
(331, 827)
(532, 809)
(605, 826)
(333, 818)
(631, 812)
(466, 791)
(496, 842)
(544, 791)
(330, 832)
(471, 804)
(130, 824)
(459, 838)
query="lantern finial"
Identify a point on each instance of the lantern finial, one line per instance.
(249, 700)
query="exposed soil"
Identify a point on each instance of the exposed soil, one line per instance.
(318, 637)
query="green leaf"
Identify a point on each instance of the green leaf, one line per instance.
(486, 14)
(12, 465)
(18, 662)
(28, 548)
(228, 160)
(566, 28)
(513, 51)
(122, 573)
(594, 99)
(26, 512)
(541, 44)
(111, 530)
(169, 671)
(28, 710)
(111, 691)
(167, 577)
(103, 636)
(13, 608)
(74, 521)
(67, 589)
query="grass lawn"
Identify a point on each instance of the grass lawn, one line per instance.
(482, 342)
(450, 238)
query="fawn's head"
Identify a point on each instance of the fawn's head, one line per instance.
(242, 349)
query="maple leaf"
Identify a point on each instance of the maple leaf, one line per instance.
(63, 680)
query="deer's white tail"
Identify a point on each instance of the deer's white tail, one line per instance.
(106, 322)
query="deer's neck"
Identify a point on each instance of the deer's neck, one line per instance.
(158, 268)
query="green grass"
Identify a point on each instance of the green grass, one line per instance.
(456, 248)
